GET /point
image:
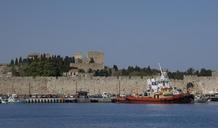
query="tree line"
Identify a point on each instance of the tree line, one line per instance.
(180, 75)
(57, 65)
(148, 71)
(41, 66)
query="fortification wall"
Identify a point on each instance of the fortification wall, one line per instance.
(95, 85)
(87, 66)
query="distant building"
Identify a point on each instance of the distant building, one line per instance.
(72, 72)
(33, 55)
(38, 55)
(83, 61)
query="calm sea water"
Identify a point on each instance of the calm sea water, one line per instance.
(108, 116)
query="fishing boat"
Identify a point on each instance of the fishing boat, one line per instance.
(160, 91)
(82, 97)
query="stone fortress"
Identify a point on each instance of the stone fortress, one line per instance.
(68, 85)
(92, 61)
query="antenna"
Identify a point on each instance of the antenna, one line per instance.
(160, 68)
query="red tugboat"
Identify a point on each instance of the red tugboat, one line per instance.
(160, 91)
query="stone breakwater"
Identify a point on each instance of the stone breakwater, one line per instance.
(95, 85)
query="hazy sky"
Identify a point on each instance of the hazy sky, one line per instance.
(177, 33)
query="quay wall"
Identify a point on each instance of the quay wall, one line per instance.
(95, 85)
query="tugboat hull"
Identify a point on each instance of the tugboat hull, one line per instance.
(177, 99)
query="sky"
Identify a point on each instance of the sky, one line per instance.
(179, 34)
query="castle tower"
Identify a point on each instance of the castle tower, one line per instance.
(97, 56)
(78, 57)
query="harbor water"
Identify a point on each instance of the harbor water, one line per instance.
(108, 116)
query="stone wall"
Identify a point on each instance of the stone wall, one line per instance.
(95, 85)
(86, 66)
(5, 70)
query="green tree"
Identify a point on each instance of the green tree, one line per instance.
(115, 67)
(12, 62)
(205, 72)
(16, 61)
(110, 72)
(72, 60)
(190, 71)
(20, 60)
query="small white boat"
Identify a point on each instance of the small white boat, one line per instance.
(12, 99)
(2, 101)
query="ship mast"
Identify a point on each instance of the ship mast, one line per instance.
(161, 71)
